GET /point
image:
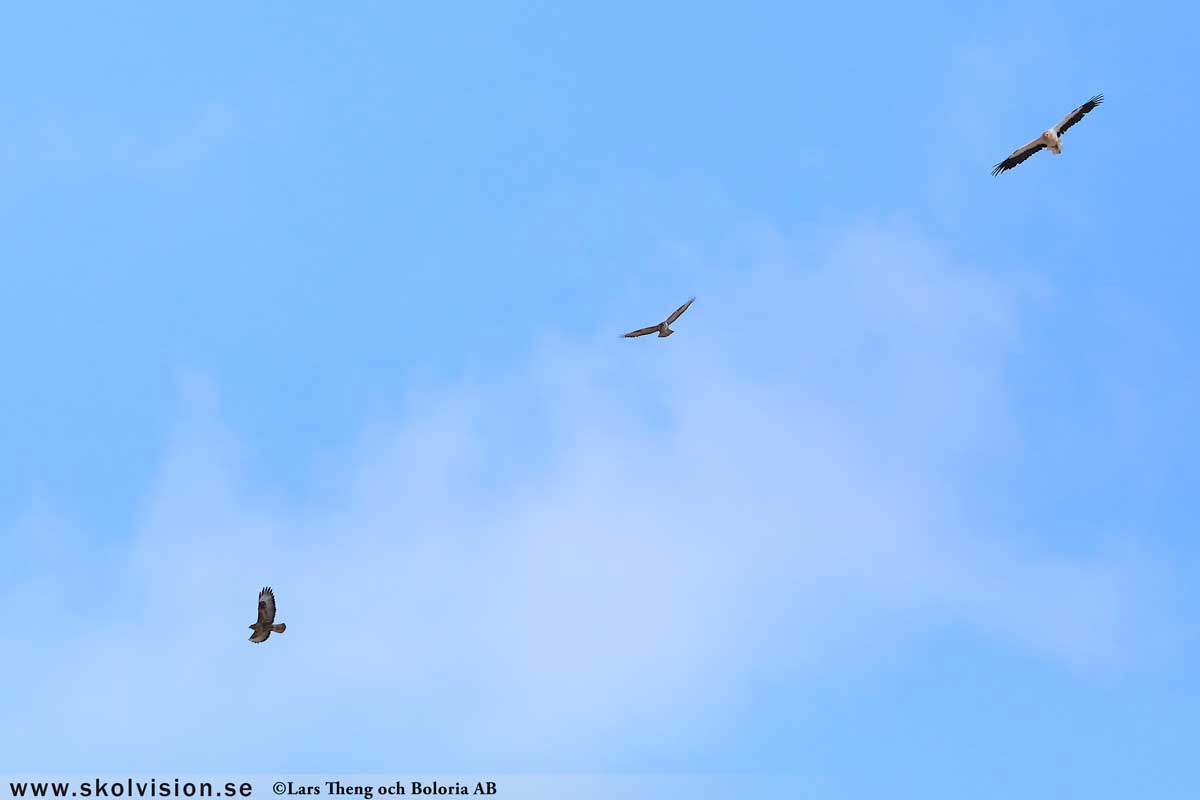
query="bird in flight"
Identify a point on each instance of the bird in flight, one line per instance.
(1050, 138)
(663, 329)
(266, 617)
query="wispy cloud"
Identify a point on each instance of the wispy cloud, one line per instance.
(598, 548)
(127, 141)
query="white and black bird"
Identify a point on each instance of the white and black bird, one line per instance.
(1049, 138)
(663, 329)
(266, 624)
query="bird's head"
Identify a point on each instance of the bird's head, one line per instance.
(251, 627)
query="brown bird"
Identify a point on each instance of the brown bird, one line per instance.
(1049, 137)
(266, 617)
(663, 329)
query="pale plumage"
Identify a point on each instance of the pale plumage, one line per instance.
(266, 617)
(663, 329)
(1049, 138)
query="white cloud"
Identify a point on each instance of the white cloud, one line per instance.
(540, 567)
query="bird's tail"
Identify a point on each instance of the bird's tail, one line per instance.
(279, 627)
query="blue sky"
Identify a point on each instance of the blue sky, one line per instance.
(328, 299)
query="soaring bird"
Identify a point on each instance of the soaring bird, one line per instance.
(1049, 138)
(663, 329)
(266, 617)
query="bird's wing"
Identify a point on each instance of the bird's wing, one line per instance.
(641, 332)
(1077, 114)
(260, 636)
(1019, 155)
(266, 606)
(680, 310)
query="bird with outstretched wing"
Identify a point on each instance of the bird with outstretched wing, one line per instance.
(266, 624)
(663, 329)
(1049, 137)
